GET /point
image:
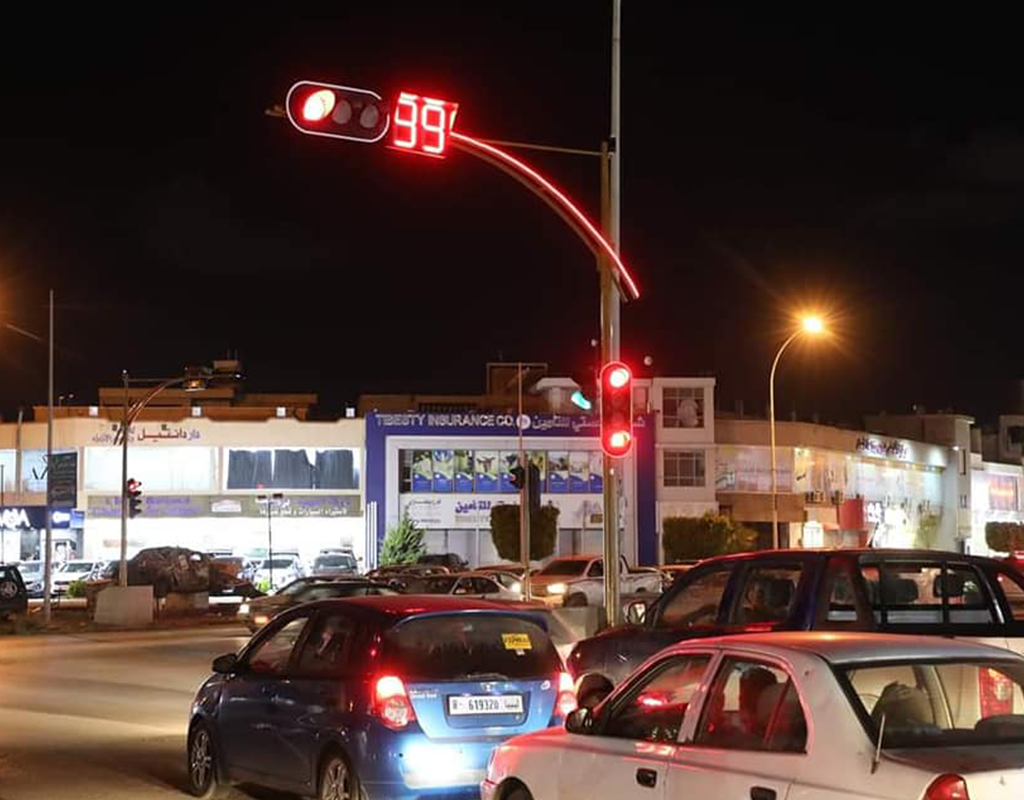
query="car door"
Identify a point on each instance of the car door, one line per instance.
(309, 702)
(750, 739)
(245, 716)
(634, 734)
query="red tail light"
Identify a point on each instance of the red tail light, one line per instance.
(565, 704)
(391, 702)
(995, 691)
(947, 787)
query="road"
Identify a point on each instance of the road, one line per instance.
(101, 715)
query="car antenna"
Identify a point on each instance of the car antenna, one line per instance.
(878, 747)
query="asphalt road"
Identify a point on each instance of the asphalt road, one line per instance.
(101, 715)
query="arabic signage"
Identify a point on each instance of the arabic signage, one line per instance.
(148, 433)
(893, 448)
(493, 424)
(189, 506)
(62, 483)
(471, 512)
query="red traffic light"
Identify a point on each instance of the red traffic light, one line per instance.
(340, 112)
(616, 409)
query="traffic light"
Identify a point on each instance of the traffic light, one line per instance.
(134, 492)
(341, 112)
(583, 397)
(518, 480)
(616, 409)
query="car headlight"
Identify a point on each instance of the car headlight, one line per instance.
(515, 586)
(557, 588)
(243, 608)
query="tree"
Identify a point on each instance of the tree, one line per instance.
(690, 538)
(505, 532)
(1004, 537)
(403, 543)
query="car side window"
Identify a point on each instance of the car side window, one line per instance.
(596, 570)
(768, 594)
(921, 593)
(271, 656)
(753, 706)
(464, 586)
(653, 710)
(485, 586)
(1013, 590)
(328, 647)
(695, 604)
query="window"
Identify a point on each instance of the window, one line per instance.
(841, 599)
(767, 595)
(682, 407)
(1014, 594)
(695, 603)
(683, 468)
(753, 706)
(488, 471)
(271, 656)
(485, 586)
(326, 651)
(653, 711)
(596, 570)
(293, 468)
(909, 593)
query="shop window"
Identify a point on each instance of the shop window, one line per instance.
(682, 407)
(684, 468)
(292, 468)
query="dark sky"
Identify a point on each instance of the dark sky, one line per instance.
(773, 159)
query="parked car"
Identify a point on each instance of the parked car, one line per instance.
(32, 577)
(897, 591)
(69, 572)
(335, 565)
(166, 569)
(375, 697)
(278, 571)
(450, 561)
(579, 581)
(847, 716)
(398, 572)
(257, 612)
(465, 584)
(13, 594)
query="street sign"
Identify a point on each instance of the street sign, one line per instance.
(62, 479)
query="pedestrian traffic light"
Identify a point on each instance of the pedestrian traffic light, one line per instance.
(341, 112)
(134, 492)
(616, 409)
(517, 477)
(533, 489)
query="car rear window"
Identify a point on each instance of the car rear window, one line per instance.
(927, 593)
(470, 646)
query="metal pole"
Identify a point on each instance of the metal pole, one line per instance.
(771, 427)
(524, 495)
(122, 570)
(270, 545)
(3, 534)
(48, 559)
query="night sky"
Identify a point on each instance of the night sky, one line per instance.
(774, 159)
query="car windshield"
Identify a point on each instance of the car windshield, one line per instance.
(442, 585)
(323, 591)
(294, 587)
(467, 646)
(336, 561)
(78, 566)
(564, 567)
(940, 703)
(277, 563)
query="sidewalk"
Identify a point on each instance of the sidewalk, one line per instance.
(67, 620)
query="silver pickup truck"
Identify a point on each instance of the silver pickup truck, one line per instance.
(576, 581)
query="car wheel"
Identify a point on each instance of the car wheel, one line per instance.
(576, 601)
(203, 780)
(520, 792)
(338, 781)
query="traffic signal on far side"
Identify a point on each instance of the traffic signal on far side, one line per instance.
(517, 477)
(134, 492)
(341, 112)
(616, 409)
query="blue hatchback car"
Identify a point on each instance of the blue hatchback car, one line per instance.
(376, 697)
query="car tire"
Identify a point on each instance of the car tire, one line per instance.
(576, 601)
(338, 781)
(519, 792)
(201, 764)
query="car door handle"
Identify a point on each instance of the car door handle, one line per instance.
(761, 793)
(647, 778)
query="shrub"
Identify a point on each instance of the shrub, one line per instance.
(505, 532)
(689, 538)
(1004, 537)
(76, 589)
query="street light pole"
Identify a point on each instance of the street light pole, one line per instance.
(270, 498)
(48, 558)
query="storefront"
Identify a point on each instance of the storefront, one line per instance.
(447, 471)
(23, 533)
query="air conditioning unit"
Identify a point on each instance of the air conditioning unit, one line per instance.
(838, 497)
(817, 497)
(809, 497)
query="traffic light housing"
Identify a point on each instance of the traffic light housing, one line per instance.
(616, 409)
(518, 480)
(134, 492)
(340, 112)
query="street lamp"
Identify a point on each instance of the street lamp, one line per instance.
(270, 499)
(812, 325)
(195, 379)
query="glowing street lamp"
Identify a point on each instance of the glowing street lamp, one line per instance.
(812, 325)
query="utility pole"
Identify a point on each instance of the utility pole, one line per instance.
(524, 494)
(610, 329)
(122, 570)
(48, 558)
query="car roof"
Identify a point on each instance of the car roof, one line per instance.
(821, 553)
(401, 605)
(854, 647)
(575, 558)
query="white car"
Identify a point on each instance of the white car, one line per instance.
(68, 573)
(462, 584)
(788, 716)
(283, 568)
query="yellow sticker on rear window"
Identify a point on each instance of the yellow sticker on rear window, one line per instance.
(516, 641)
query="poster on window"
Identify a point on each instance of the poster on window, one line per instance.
(509, 459)
(579, 471)
(539, 459)
(558, 471)
(444, 470)
(596, 472)
(463, 470)
(422, 471)
(486, 467)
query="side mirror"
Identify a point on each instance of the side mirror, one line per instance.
(636, 612)
(225, 664)
(580, 721)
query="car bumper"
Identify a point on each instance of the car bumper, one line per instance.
(410, 765)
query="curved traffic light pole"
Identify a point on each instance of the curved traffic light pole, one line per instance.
(556, 200)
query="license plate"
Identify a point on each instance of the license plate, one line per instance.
(485, 704)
